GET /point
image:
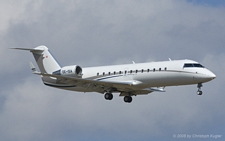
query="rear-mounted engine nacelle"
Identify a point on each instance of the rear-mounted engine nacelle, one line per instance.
(74, 71)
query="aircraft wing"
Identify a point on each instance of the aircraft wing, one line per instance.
(101, 86)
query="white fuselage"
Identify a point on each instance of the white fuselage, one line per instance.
(153, 74)
(128, 79)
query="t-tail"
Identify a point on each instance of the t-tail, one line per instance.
(45, 61)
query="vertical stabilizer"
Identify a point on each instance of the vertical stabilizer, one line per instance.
(45, 61)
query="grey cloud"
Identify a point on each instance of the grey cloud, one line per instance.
(92, 33)
(121, 28)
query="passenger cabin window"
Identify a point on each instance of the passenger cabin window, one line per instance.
(153, 69)
(159, 69)
(130, 71)
(103, 73)
(114, 72)
(109, 73)
(136, 71)
(165, 68)
(120, 72)
(97, 74)
(148, 70)
(142, 70)
(191, 65)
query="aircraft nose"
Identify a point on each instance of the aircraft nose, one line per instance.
(211, 75)
(206, 75)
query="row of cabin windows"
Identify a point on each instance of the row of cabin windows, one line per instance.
(131, 71)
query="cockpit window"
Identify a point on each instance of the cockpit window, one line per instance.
(198, 65)
(188, 65)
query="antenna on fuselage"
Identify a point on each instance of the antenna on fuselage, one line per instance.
(170, 59)
(133, 62)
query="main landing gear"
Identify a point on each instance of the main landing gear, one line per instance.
(199, 92)
(108, 96)
(127, 99)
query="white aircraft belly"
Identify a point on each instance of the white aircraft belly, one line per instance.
(159, 79)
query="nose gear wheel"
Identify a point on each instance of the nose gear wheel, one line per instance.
(199, 92)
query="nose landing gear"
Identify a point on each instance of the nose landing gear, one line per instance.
(199, 92)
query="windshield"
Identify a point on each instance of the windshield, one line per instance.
(188, 65)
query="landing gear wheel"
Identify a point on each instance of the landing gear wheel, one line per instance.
(128, 99)
(108, 96)
(199, 92)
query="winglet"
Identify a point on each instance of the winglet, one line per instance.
(34, 71)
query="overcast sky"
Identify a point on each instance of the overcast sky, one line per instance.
(99, 32)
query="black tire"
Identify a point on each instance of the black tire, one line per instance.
(125, 98)
(128, 99)
(199, 92)
(108, 96)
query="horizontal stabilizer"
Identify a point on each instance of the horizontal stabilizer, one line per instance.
(30, 49)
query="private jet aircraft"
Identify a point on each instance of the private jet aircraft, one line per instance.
(128, 80)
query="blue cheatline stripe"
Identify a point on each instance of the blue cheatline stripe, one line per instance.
(52, 85)
(109, 77)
